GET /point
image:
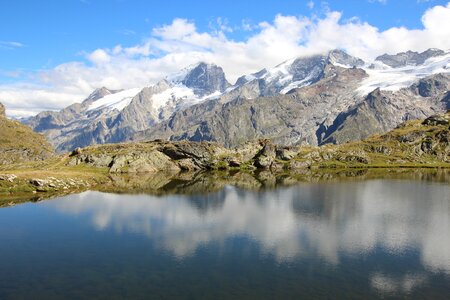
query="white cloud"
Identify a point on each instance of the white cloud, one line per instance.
(173, 46)
(10, 45)
(248, 25)
(99, 56)
(177, 30)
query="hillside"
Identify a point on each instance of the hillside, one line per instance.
(19, 143)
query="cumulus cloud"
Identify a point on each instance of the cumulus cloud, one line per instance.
(173, 46)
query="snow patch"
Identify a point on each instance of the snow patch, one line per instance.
(296, 84)
(175, 93)
(393, 79)
(249, 78)
(117, 101)
(336, 64)
(180, 96)
(280, 73)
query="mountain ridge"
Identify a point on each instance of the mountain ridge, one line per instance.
(200, 95)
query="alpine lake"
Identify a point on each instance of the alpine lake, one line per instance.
(367, 235)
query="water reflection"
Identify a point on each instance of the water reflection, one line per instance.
(388, 284)
(328, 220)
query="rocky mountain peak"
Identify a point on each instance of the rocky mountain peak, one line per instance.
(408, 58)
(205, 79)
(100, 93)
(2, 111)
(297, 72)
(338, 56)
(308, 68)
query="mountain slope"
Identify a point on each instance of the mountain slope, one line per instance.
(383, 110)
(290, 75)
(323, 98)
(18, 142)
(286, 119)
(108, 116)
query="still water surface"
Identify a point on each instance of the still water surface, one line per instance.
(343, 240)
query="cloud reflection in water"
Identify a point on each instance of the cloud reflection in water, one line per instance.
(327, 220)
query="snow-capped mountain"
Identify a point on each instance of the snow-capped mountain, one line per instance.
(108, 116)
(393, 72)
(198, 103)
(330, 98)
(292, 74)
(114, 101)
(409, 58)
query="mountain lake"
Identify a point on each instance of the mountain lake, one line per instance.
(343, 239)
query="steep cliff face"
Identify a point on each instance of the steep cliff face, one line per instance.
(18, 142)
(206, 79)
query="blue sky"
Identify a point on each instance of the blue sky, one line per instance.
(53, 53)
(53, 32)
